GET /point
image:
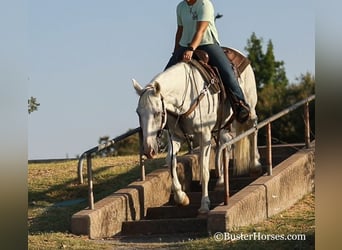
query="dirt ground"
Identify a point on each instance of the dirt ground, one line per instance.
(164, 242)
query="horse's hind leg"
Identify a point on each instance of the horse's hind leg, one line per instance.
(256, 169)
(179, 196)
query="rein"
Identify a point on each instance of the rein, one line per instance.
(195, 103)
(163, 121)
(179, 117)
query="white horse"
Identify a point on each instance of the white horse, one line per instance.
(171, 94)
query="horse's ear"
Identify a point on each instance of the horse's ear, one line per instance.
(157, 88)
(137, 87)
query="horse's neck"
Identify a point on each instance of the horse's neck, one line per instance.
(180, 84)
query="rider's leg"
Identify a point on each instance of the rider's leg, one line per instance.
(218, 58)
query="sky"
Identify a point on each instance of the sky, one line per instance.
(83, 54)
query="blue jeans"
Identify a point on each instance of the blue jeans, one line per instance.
(217, 58)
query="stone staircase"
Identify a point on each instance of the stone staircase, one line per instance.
(147, 207)
(171, 218)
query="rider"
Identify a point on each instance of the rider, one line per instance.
(197, 30)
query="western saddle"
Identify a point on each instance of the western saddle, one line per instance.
(238, 61)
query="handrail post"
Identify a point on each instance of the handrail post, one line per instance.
(90, 183)
(269, 149)
(142, 166)
(307, 124)
(142, 160)
(226, 175)
(79, 170)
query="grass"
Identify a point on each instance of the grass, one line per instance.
(49, 223)
(297, 220)
(51, 183)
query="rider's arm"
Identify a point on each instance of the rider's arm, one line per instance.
(178, 36)
(201, 27)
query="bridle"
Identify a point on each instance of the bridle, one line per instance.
(163, 116)
(163, 120)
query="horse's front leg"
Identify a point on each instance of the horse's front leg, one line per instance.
(205, 148)
(179, 196)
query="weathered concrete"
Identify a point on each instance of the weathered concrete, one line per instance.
(131, 203)
(268, 195)
(126, 204)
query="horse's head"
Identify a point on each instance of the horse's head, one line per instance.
(152, 116)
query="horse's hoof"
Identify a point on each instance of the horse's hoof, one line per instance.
(202, 212)
(185, 201)
(203, 215)
(219, 186)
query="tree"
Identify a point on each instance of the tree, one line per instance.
(32, 104)
(275, 93)
(110, 151)
(270, 77)
(303, 88)
(267, 70)
(128, 146)
(255, 55)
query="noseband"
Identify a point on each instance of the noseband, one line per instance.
(163, 120)
(163, 114)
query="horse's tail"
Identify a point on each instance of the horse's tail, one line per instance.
(243, 151)
(246, 154)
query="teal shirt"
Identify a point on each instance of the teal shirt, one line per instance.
(188, 16)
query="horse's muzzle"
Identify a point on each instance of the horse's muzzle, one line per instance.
(151, 153)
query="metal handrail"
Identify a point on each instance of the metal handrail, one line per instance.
(267, 123)
(93, 151)
(100, 148)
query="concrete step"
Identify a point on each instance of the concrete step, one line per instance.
(235, 184)
(164, 226)
(171, 218)
(216, 197)
(172, 212)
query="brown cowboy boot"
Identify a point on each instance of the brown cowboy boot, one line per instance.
(242, 111)
(240, 108)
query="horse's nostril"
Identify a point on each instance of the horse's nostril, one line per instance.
(150, 154)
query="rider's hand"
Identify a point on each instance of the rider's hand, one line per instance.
(187, 55)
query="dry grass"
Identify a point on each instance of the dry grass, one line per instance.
(49, 224)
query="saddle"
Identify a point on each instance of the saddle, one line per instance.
(239, 61)
(211, 75)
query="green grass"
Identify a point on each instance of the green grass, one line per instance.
(49, 225)
(50, 183)
(298, 219)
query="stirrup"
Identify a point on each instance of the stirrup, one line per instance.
(242, 112)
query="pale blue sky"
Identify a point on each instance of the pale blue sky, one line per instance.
(83, 54)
